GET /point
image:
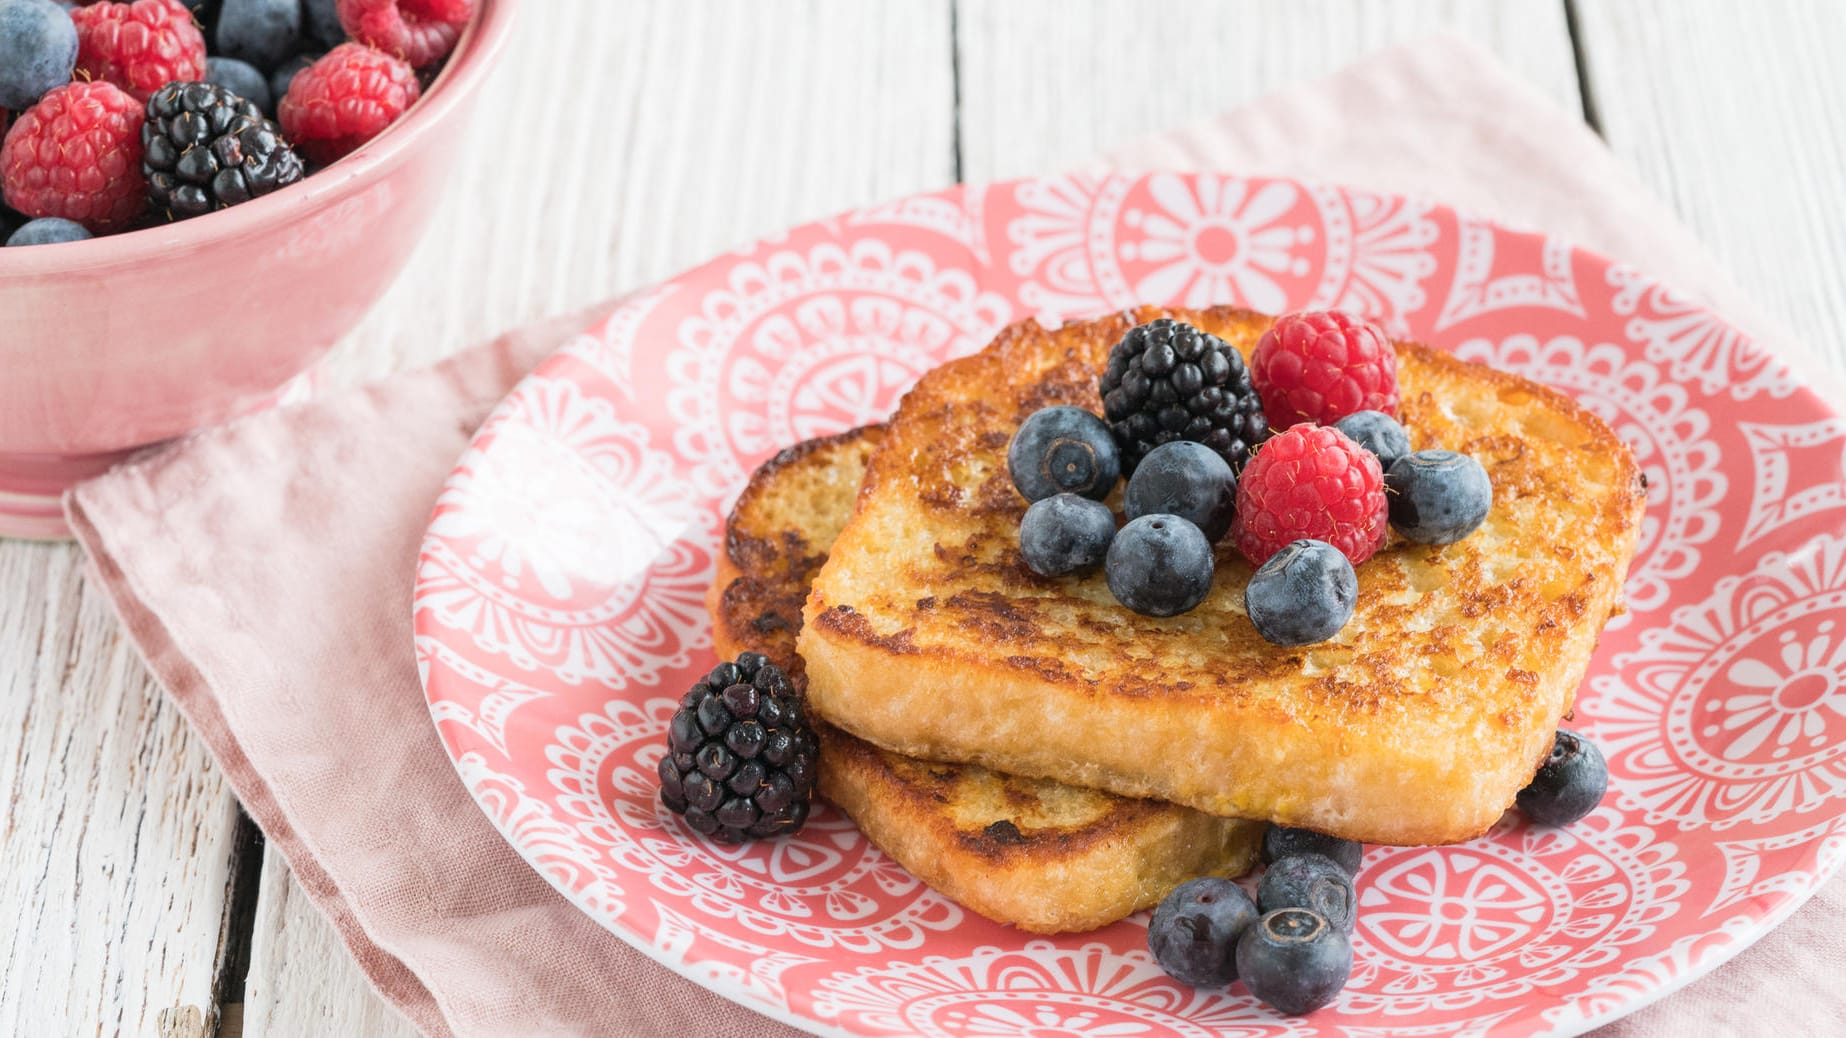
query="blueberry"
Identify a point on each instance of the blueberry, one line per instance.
(1376, 432)
(1063, 450)
(285, 73)
(1304, 594)
(321, 24)
(261, 32)
(1280, 841)
(1159, 565)
(1194, 932)
(1312, 881)
(1186, 479)
(240, 78)
(1437, 497)
(1569, 784)
(1294, 960)
(38, 50)
(1065, 534)
(48, 230)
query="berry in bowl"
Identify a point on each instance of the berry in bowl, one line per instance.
(200, 200)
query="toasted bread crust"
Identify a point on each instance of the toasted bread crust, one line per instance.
(927, 635)
(1036, 854)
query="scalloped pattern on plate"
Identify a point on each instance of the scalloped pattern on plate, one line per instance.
(559, 615)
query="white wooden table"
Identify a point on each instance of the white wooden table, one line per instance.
(622, 141)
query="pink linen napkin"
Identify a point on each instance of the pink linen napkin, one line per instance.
(264, 570)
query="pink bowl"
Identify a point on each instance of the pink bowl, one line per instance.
(120, 342)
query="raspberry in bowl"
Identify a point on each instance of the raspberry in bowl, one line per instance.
(158, 324)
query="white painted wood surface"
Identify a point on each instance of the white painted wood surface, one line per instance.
(1736, 115)
(621, 141)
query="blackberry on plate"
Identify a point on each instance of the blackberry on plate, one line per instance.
(740, 754)
(1167, 380)
(207, 148)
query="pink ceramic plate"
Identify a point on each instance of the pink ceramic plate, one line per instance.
(559, 613)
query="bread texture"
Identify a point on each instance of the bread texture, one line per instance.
(1037, 854)
(925, 633)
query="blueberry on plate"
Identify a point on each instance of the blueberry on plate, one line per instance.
(1311, 881)
(1294, 960)
(1063, 450)
(1065, 534)
(1437, 496)
(1281, 841)
(1304, 594)
(47, 230)
(1376, 432)
(1194, 932)
(1569, 784)
(1159, 565)
(1186, 479)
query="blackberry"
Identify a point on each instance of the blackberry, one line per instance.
(740, 754)
(1167, 381)
(207, 148)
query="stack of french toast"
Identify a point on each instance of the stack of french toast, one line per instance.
(1052, 760)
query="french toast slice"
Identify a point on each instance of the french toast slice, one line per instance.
(1034, 853)
(927, 635)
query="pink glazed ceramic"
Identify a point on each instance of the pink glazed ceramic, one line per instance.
(560, 614)
(116, 343)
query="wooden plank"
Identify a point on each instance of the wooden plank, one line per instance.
(637, 156)
(116, 831)
(619, 144)
(302, 981)
(1047, 84)
(1732, 112)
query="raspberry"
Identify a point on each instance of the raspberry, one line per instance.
(1310, 481)
(77, 154)
(422, 32)
(345, 99)
(1322, 366)
(140, 46)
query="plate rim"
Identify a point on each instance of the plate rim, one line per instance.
(1817, 381)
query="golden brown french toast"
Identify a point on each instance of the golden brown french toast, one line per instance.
(1034, 853)
(927, 635)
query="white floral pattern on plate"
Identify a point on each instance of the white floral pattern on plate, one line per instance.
(1736, 713)
(1670, 437)
(559, 615)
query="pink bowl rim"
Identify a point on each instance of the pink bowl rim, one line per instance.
(474, 56)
